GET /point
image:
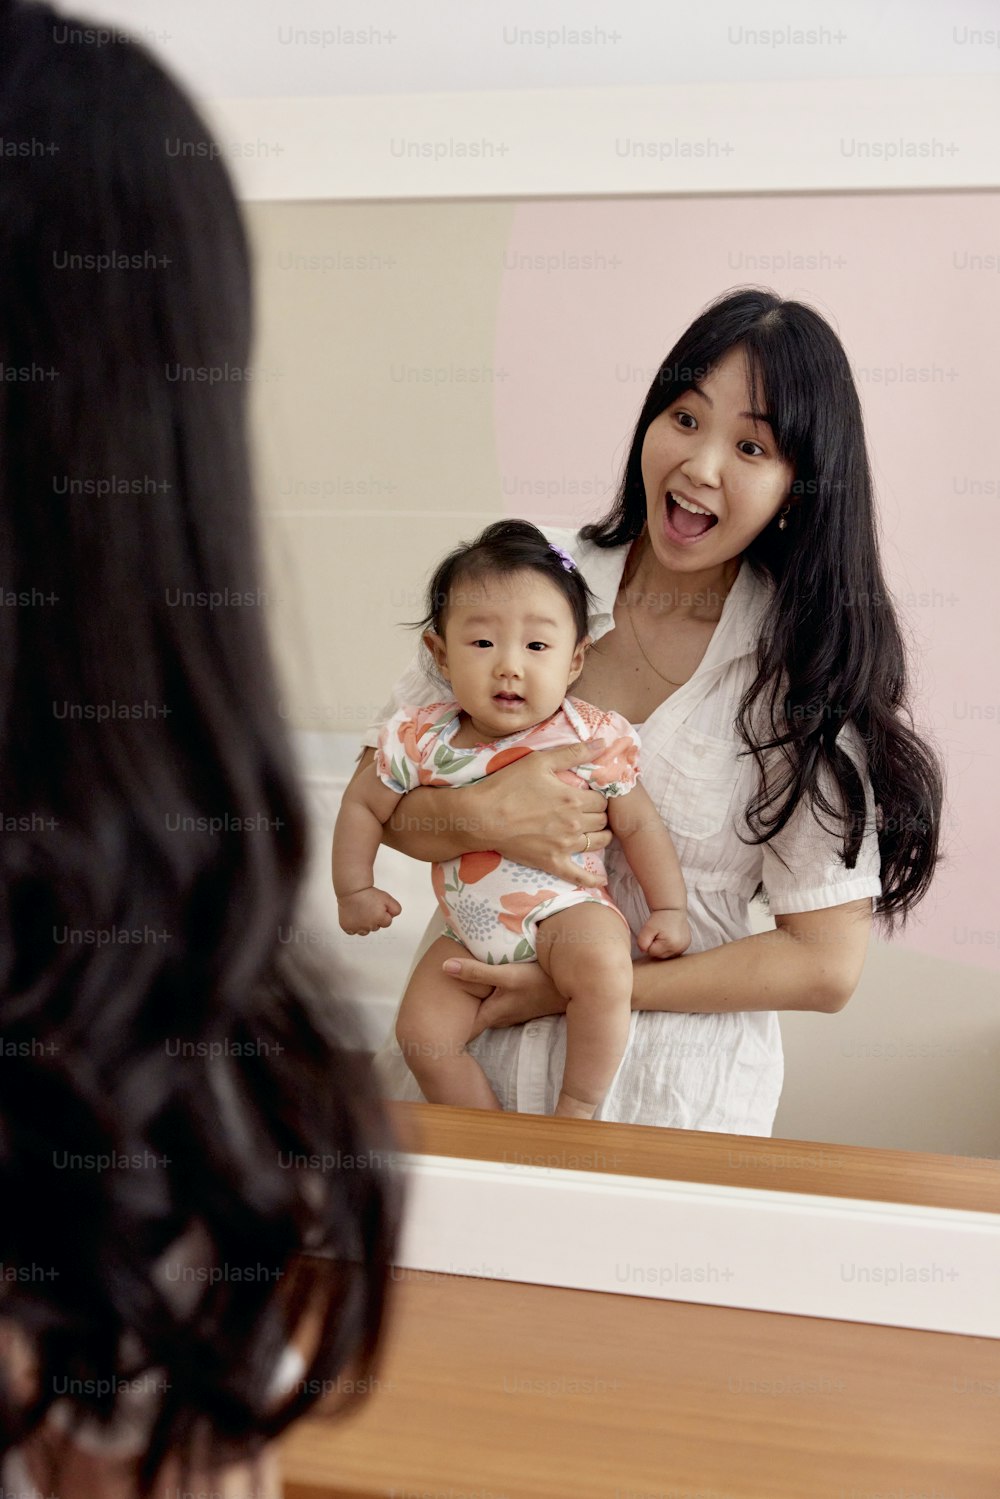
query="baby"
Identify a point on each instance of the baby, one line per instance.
(508, 619)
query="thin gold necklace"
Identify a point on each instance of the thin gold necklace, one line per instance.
(635, 632)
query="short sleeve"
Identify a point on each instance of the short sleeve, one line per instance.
(616, 769)
(810, 873)
(397, 756)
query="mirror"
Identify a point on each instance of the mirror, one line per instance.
(428, 367)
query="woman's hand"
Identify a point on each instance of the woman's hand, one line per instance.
(521, 991)
(528, 814)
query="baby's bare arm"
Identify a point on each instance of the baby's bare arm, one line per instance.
(367, 803)
(649, 848)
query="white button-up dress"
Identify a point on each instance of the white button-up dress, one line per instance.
(706, 1071)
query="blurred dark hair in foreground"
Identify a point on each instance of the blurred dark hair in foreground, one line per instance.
(149, 1014)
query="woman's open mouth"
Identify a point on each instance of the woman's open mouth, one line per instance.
(684, 521)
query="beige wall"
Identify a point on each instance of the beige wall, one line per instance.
(365, 478)
(911, 1063)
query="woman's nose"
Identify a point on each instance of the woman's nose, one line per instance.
(702, 465)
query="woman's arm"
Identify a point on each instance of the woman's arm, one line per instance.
(811, 961)
(523, 811)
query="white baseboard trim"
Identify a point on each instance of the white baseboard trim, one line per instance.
(843, 1258)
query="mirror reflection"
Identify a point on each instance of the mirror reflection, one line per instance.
(703, 562)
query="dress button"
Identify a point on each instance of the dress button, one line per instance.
(699, 750)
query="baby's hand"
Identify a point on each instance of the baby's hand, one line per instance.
(366, 911)
(665, 935)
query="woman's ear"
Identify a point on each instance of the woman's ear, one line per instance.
(436, 646)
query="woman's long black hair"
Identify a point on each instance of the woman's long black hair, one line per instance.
(831, 651)
(166, 1059)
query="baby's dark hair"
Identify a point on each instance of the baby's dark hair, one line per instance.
(503, 548)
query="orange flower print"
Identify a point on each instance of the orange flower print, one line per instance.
(409, 731)
(518, 906)
(412, 729)
(426, 777)
(619, 762)
(477, 865)
(437, 881)
(507, 757)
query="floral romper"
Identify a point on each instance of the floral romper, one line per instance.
(491, 904)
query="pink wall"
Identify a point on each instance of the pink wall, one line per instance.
(919, 314)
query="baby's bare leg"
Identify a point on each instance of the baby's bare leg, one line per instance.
(433, 1026)
(586, 951)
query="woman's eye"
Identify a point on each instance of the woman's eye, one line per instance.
(747, 441)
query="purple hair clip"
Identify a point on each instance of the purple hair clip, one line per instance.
(564, 557)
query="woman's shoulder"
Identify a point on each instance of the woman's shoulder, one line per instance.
(563, 536)
(571, 539)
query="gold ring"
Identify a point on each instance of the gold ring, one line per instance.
(586, 846)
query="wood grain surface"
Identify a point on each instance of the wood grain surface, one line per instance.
(966, 1182)
(492, 1388)
(500, 1390)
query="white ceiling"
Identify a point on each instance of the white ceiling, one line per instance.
(225, 49)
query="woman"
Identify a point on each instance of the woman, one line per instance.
(745, 629)
(171, 1074)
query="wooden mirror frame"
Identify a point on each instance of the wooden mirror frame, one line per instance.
(843, 1232)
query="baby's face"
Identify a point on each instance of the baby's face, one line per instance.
(509, 651)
